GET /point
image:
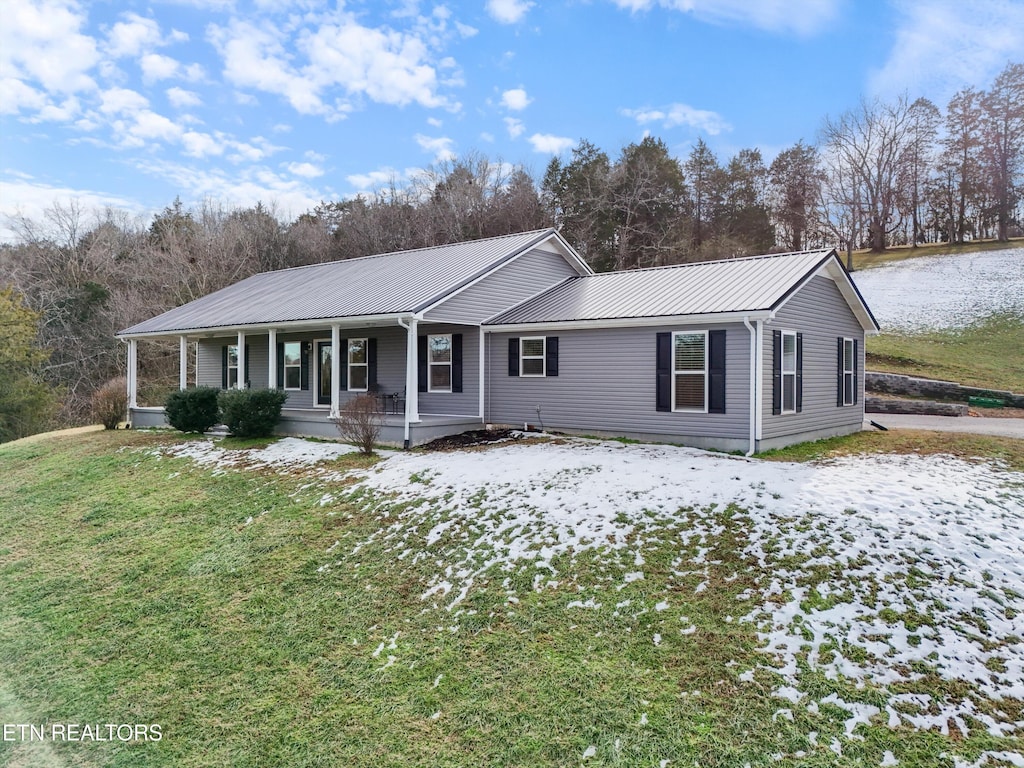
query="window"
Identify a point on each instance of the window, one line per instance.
(439, 359)
(292, 364)
(849, 372)
(531, 356)
(232, 366)
(789, 372)
(358, 365)
(689, 371)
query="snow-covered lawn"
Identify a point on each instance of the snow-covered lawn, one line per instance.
(944, 291)
(902, 577)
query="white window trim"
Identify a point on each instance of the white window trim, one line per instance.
(543, 357)
(232, 367)
(703, 373)
(783, 373)
(350, 365)
(315, 384)
(431, 363)
(285, 366)
(849, 372)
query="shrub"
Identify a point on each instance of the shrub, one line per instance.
(251, 412)
(110, 403)
(192, 410)
(359, 422)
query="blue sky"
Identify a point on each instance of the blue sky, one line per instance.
(290, 102)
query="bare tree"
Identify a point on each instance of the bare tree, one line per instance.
(868, 145)
(796, 180)
(961, 157)
(1003, 139)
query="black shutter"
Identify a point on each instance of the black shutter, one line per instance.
(799, 372)
(421, 359)
(776, 372)
(245, 381)
(716, 372)
(841, 367)
(304, 348)
(663, 373)
(342, 384)
(513, 357)
(456, 362)
(856, 375)
(224, 367)
(551, 355)
(371, 364)
(280, 365)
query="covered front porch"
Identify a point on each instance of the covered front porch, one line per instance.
(427, 376)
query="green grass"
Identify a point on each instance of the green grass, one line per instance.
(136, 591)
(866, 259)
(989, 353)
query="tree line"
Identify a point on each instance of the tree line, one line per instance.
(879, 175)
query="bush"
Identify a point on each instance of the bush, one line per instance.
(110, 403)
(192, 410)
(251, 412)
(359, 422)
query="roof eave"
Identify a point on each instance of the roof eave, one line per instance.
(283, 326)
(704, 318)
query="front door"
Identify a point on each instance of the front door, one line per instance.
(323, 373)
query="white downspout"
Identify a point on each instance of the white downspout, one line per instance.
(272, 358)
(754, 380)
(336, 370)
(241, 360)
(481, 372)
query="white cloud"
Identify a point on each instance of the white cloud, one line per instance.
(365, 182)
(325, 69)
(515, 127)
(24, 197)
(306, 170)
(16, 95)
(675, 115)
(941, 46)
(44, 43)
(508, 11)
(183, 99)
(441, 147)
(487, 137)
(201, 144)
(156, 66)
(152, 126)
(804, 17)
(120, 101)
(548, 144)
(132, 36)
(515, 99)
(433, 122)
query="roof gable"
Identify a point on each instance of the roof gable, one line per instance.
(403, 282)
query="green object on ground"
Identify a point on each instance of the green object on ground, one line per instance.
(985, 402)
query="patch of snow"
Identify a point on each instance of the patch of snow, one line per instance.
(888, 759)
(929, 292)
(589, 752)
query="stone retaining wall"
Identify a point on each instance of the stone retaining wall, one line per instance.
(895, 384)
(918, 407)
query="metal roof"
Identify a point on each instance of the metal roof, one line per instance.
(393, 283)
(753, 284)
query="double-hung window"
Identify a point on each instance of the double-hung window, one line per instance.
(292, 364)
(358, 365)
(789, 364)
(439, 360)
(532, 353)
(232, 366)
(689, 371)
(849, 372)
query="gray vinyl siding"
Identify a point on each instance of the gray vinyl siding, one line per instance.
(821, 314)
(390, 366)
(466, 402)
(606, 384)
(531, 273)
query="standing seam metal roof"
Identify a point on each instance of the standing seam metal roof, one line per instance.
(400, 282)
(757, 283)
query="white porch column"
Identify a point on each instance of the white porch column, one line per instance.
(241, 360)
(133, 373)
(272, 358)
(182, 362)
(335, 370)
(412, 403)
(482, 378)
